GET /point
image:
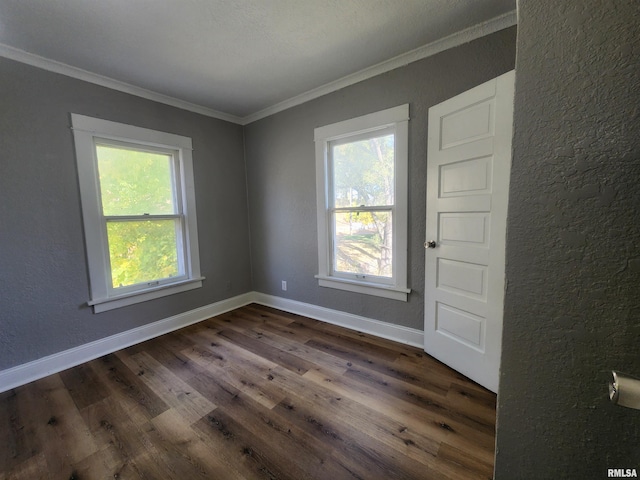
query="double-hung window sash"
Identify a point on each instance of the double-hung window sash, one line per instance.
(361, 206)
(138, 210)
(362, 209)
(142, 213)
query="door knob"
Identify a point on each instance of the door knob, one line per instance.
(625, 390)
(430, 244)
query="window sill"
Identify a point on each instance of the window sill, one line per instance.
(105, 304)
(379, 290)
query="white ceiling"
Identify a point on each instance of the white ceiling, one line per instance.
(237, 59)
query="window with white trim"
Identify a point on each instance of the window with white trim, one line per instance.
(361, 178)
(138, 207)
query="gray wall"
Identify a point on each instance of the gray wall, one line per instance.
(281, 174)
(43, 273)
(572, 308)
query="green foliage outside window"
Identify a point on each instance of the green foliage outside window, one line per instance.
(139, 184)
(363, 176)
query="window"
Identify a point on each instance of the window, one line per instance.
(361, 174)
(138, 207)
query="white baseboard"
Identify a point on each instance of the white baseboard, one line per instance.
(28, 372)
(397, 333)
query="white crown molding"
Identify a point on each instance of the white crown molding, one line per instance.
(22, 374)
(80, 74)
(496, 24)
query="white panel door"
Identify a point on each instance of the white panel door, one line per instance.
(469, 159)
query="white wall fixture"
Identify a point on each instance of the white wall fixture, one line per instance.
(625, 390)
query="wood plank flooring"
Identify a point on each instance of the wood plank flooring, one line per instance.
(255, 393)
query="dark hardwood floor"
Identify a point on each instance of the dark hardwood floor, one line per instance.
(252, 394)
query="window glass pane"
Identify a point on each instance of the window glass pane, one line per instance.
(134, 182)
(143, 251)
(363, 243)
(363, 172)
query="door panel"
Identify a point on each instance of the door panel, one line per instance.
(462, 277)
(463, 326)
(471, 177)
(464, 228)
(471, 123)
(469, 159)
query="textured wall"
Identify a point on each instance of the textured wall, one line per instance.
(43, 274)
(572, 308)
(281, 174)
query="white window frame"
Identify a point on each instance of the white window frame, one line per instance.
(393, 119)
(89, 132)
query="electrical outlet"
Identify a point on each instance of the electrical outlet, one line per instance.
(284, 285)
